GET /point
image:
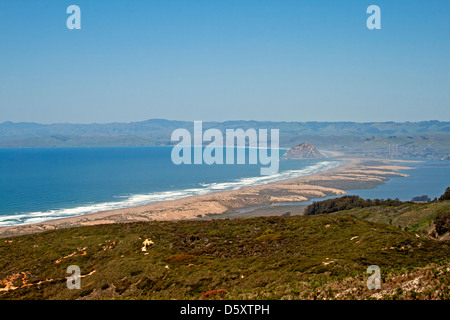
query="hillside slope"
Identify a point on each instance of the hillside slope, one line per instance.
(301, 257)
(414, 217)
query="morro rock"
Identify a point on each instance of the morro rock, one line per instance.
(303, 151)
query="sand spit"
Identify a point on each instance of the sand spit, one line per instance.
(354, 174)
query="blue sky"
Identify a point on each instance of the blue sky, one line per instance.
(281, 60)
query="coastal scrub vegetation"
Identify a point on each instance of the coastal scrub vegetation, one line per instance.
(446, 195)
(347, 203)
(430, 217)
(442, 222)
(299, 257)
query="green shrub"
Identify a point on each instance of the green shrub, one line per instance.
(181, 258)
(270, 237)
(446, 195)
(442, 223)
(347, 203)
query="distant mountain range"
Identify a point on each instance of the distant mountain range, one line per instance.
(156, 132)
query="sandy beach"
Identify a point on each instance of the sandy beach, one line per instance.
(259, 200)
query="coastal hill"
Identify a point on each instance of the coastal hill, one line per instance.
(428, 217)
(323, 256)
(303, 151)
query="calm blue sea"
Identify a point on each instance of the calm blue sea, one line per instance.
(38, 184)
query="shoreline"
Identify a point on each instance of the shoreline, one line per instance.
(354, 173)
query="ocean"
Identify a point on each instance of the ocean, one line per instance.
(40, 184)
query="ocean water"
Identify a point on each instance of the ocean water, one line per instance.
(39, 184)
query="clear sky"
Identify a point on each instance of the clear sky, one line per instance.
(281, 60)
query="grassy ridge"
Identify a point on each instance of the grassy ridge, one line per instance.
(301, 257)
(418, 217)
(432, 217)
